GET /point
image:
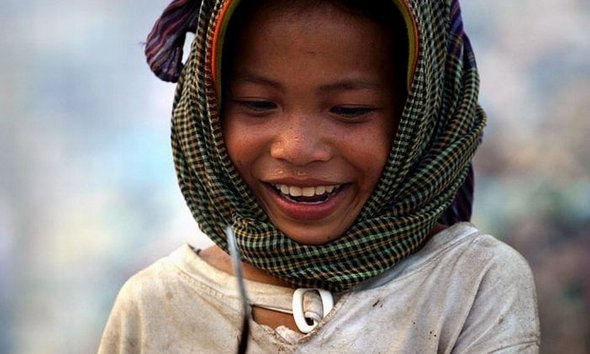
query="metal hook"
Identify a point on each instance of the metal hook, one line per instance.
(237, 266)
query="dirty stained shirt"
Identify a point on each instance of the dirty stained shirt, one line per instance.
(464, 292)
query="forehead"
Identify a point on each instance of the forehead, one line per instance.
(313, 15)
(276, 48)
(233, 15)
(312, 24)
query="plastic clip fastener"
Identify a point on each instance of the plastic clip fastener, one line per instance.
(301, 321)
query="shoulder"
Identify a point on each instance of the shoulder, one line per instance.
(149, 282)
(125, 326)
(499, 267)
(463, 292)
(474, 260)
(143, 291)
(464, 254)
(163, 295)
(467, 247)
(487, 289)
(502, 311)
(496, 256)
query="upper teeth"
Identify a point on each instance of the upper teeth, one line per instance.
(294, 191)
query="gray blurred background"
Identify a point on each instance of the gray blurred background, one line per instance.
(88, 194)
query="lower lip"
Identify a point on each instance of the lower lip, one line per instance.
(308, 212)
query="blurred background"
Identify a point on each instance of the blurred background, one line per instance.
(88, 194)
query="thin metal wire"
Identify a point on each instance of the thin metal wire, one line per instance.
(237, 266)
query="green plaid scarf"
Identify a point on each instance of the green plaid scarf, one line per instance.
(438, 134)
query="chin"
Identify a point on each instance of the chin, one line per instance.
(305, 237)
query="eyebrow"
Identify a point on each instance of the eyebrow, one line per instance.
(350, 85)
(251, 78)
(343, 85)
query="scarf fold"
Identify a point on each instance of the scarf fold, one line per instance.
(164, 45)
(428, 176)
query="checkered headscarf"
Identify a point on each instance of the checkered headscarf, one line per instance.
(438, 134)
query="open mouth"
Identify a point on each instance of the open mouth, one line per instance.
(306, 195)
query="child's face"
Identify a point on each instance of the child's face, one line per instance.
(310, 116)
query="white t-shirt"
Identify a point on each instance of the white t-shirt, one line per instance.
(464, 292)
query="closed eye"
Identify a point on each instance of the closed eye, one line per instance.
(257, 105)
(351, 112)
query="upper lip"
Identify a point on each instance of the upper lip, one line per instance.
(296, 182)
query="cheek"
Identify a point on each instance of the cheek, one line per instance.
(376, 164)
(242, 146)
(234, 143)
(372, 153)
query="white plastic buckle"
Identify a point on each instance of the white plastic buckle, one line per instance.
(298, 313)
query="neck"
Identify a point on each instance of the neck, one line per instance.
(217, 258)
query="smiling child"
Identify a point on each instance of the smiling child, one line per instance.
(335, 138)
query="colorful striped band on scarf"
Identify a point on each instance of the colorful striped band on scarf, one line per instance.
(428, 176)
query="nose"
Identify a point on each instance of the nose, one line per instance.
(301, 140)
